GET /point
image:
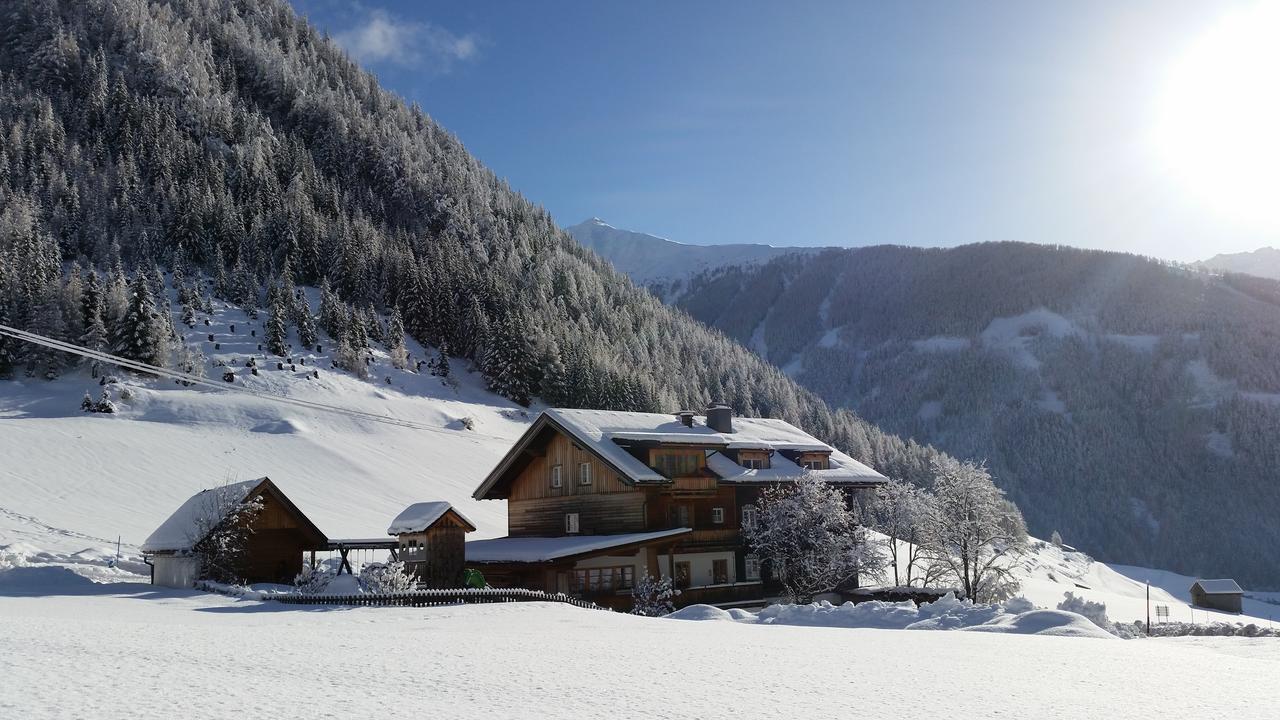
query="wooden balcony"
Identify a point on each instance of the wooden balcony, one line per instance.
(739, 593)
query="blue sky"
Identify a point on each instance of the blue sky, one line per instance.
(836, 123)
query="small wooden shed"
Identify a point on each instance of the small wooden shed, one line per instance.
(432, 540)
(280, 535)
(1222, 594)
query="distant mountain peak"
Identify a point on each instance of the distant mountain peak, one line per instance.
(1263, 262)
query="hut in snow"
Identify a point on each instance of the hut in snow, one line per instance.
(431, 537)
(1223, 594)
(279, 534)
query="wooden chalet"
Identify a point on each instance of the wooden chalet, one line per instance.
(431, 538)
(596, 499)
(280, 535)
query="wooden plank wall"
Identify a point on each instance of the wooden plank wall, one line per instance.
(600, 514)
(535, 481)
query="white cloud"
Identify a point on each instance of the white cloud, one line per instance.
(383, 38)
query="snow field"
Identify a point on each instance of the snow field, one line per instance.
(120, 651)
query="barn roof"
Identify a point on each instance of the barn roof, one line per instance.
(194, 518)
(543, 549)
(1223, 586)
(420, 516)
(606, 432)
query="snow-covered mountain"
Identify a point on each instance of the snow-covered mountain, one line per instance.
(1132, 405)
(1263, 262)
(653, 261)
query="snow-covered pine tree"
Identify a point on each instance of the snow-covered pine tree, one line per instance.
(395, 341)
(277, 331)
(141, 334)
(305, 320)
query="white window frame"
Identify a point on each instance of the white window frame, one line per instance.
(584, 473)
(751, 567)
(750, 515)
(717, 515)
(556, 480)
(571, 523)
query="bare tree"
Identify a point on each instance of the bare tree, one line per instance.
(974, 532)
(902, 513)
(810, 538)
(220, 532)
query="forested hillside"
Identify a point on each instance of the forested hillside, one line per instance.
(229, 142)
(1131, 405)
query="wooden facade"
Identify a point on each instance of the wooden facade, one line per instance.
(556, 484)
(437, 555)
(280, 536)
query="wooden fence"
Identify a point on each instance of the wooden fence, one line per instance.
(432, 598)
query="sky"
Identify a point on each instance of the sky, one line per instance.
(1111, 125)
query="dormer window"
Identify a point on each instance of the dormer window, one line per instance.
(814, 463)
(677, 463)
(753, 463)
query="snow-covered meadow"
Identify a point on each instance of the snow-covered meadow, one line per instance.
(76, 649)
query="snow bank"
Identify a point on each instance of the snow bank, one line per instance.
(947, 613)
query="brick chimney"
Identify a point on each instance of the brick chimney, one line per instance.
(720, 418)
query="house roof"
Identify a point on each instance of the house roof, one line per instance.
(602, 431)
(1224, 586)
(543, 549)
(420, 516)
(194, 518)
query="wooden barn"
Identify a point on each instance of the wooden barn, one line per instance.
(1223, 594)
(280, 535)
(431, 541)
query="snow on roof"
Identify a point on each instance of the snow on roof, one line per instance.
(1224, 586)
(783, 470)
(541, 549)
(180, 532)
(601, 427)
(420, 516)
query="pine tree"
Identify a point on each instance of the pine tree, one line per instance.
(277, 330)
(305, 321)
(141, 334)
(395, 341)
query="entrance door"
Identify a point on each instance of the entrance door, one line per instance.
(684, 574)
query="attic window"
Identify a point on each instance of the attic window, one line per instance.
(753, 463)
(556, 480)
(584, 473)
(819, 463)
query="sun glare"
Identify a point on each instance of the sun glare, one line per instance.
(1218, 122)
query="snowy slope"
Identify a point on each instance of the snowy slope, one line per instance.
(110, 651)
(648, 259)
(73, 480)
(1263, 262)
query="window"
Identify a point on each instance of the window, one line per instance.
(571, 522)
(814, 463)
(684, 574)
(610, 579)
(753, 463)
(556, 481)
(717, 515)
(678, 515)
(584, 473)
(749, 514)
(677, 464)
(751, 567)
(719, 572)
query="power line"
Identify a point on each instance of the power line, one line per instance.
(137, 366)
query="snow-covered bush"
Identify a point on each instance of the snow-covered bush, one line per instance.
(1017, 605)
(391, 577)
(653, 597)
(314, 579)
(103, 405)
(1096, 612)
(1137, 629)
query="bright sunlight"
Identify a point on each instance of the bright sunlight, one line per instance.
(1218, 122)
